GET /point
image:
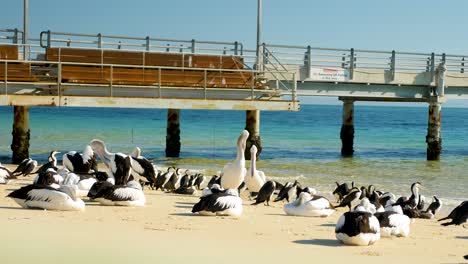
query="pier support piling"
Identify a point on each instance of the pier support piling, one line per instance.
(173, 133)
(347, 128)
(252, 124)
(433, 138)
(21, 134)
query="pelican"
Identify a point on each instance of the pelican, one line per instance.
(341, 191)
(143, 166)
(226, 203)
(51, 164)
(254, 178)
(358, 229)
(106, 193)
(309, 205)
(46, 197)
(393, 224)
(119, 164)
(80, 163)
(234, 173)
(5, 175)
(48, 178)
(26, 167)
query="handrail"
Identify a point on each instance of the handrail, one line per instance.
(46, 40)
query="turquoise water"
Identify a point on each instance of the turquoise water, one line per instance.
(390, 148)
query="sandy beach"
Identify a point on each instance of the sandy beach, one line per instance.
(165, 231)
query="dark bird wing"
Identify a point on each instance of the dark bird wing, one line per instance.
(453, 212)
(21, 167)
(148, 170)
(123, 164)
(348, 199)
(265, 192)
(211, 203)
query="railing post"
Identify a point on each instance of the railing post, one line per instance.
(204, 81)
(343, 59)
(224, 50)
(393, 65)
(236, 48)
(159, 82)
(308, 62)
(168, 47)
(99, 36)
(48, 38)
(193, 46)
(111, 80)
(59, 82)
(462, 70)
(15, 36)
(68, 42)
(181, 49)
(253, 84)
(351, 64)
(147, 43)
(120, 45)
(432, 66)
(294, 91)
(6, 77)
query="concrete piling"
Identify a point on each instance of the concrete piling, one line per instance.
(173, 133)
(21, 134)
(252, 124)
(433, 138)
(347, 128)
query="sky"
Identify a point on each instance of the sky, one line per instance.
(414, 26)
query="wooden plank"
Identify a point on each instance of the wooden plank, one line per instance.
(166, 59)
(17, 72)
(73, 55)
(216, 62)
(8, 52)
(123, 57)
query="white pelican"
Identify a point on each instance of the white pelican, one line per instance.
(308, 205)
(80, 163)
(46, 197)
(393, 224)
(5, 175)
(221, 203)
(254, 179)
(143, 166)
(119, 164)
(51, 164)
(106, 193)
(357, 229)
(234, 173)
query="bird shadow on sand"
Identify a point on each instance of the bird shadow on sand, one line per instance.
(185, 214)
(329, 225)
(12, 208)
(187, 203)
(462, 237)
(319, 242)
(183, 206)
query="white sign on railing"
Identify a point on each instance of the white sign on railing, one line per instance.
(329, 74)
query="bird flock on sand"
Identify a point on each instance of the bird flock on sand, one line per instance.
(371, 214)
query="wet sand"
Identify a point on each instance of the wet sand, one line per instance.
(165, 231)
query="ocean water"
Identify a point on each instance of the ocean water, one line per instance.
(389, 143)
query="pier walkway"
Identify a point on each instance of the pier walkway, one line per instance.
(96, 70)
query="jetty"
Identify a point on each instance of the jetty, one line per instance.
(62, 69)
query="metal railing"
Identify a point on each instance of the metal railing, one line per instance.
(50, 74)
(362, 60)
(101, 41)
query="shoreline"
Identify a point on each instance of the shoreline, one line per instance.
(166, 231)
